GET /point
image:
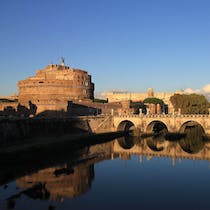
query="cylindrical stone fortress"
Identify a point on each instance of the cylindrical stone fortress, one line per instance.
(56, 84)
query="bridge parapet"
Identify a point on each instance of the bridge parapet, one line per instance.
(163, 115)
(173, 122)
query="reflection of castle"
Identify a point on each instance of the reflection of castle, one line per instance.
(61, 182)
(67, 181)
(51, 88)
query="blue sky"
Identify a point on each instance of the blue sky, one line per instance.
(124, 44)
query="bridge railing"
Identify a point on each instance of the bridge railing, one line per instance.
(162, 115)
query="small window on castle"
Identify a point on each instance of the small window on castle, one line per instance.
(41, 82)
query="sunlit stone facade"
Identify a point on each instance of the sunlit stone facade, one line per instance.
(55, 86)
(119, 96)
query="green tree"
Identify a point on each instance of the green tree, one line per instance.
(153, 100)
(190, 104)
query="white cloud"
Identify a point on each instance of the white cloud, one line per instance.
(204, 90)
(189, 90)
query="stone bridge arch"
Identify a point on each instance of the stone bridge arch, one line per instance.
(191, 123)
(167, 121)
(172, 122)
(126, 125)
(156, 126)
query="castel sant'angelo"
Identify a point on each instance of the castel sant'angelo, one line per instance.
(51, 88)
(61, 88)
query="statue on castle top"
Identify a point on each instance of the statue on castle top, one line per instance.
(62, 61)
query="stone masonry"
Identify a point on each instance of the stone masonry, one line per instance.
(51, 88)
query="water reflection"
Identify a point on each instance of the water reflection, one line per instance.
(156, 143)
(75, 176)
(62, 181)
(193, 142)
(126, 142)
(53, 184)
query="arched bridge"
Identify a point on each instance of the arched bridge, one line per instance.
(154, 123)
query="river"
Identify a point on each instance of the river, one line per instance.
(125, 173)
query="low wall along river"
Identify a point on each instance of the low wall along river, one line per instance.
(15, 131)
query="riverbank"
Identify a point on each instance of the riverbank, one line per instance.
(19, 131)
(68, 142)
(19, 159)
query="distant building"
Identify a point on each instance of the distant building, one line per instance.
(10, 97)
(51, 88)
(8, 104)
(118, 96)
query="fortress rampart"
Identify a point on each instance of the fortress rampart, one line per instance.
(57, 83)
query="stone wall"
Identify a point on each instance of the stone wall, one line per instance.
(55, 83)
(4, 106)
(101, 124)
(17, 131)
(173, 123)
(126, 96)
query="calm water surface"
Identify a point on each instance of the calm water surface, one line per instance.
(122, 174)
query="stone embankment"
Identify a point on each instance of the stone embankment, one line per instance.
(19, 131)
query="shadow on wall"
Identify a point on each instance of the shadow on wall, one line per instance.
(81, 110)
(23, 130)
(72, 109)
(19, 110)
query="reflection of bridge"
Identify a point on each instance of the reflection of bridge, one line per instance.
(173, 123)
(75, 177)
(168, 149)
